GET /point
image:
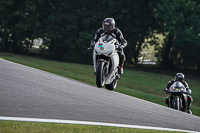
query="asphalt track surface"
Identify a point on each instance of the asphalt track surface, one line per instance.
(28, 92)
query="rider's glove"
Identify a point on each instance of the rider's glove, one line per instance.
(166, 90)
(92, 46)
(188, 92)
(117, 43)
(92, 43)
(120, 47)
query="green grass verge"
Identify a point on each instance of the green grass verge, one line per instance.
(34, 127)
(145, 84)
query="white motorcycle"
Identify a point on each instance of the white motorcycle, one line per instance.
(106, 62)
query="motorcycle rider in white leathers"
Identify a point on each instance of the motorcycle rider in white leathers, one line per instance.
(108, 27)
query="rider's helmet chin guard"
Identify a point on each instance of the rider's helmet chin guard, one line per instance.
(108, 25)
(179, 77)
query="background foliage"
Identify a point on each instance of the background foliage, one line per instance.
(68, 26)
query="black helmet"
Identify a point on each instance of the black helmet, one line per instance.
(108, 25)
(179, 77)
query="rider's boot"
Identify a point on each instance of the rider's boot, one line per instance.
(167, 101)
(190, 100)
(189, 111)
(118, 76)
(120, 70)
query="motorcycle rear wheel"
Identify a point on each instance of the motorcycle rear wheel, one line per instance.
(112, 86)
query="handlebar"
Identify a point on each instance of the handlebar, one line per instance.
(186, 92)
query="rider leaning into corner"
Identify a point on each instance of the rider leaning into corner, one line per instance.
(179, 77)
(108, 27)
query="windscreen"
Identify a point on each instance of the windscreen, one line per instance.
(178, 85)
(107, 38)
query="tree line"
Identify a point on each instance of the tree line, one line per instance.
(67, 27)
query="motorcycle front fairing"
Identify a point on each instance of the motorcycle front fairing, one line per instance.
(105, 49)
(178, 90)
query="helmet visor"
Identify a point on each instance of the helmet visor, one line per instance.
(179, 79)
(107, 28)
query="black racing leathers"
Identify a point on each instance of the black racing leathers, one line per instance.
(116, 33)
(169, 84)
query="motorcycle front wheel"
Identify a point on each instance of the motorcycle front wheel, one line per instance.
(100, 79)
(176, 103)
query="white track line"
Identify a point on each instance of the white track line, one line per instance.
(88, 123)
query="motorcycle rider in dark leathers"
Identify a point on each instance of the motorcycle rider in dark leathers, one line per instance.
(180, 77)
(108, 27)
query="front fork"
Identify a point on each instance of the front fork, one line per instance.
(96, 59)
(107, 68)
(185, 101)
(168, 101)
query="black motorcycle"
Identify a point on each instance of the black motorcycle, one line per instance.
(178, 97)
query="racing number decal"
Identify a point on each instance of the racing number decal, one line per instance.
(102, 48)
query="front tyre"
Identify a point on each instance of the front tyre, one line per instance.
(176, 103)
(112, 86)
(100, 80)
